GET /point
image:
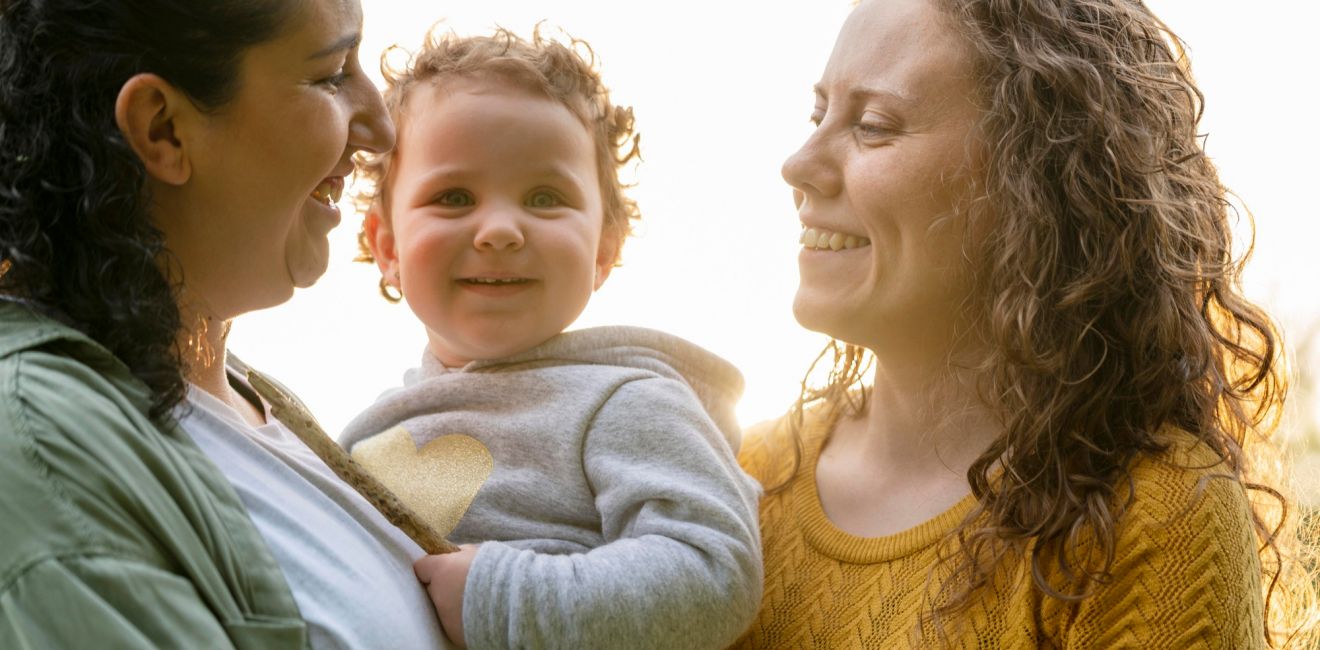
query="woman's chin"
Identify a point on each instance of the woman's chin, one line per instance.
(818, 315)
(305, 277)
(307, 264)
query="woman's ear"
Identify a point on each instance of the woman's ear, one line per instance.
(147, 112)
(380, 240)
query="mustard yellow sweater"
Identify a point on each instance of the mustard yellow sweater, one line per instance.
(1185, 575)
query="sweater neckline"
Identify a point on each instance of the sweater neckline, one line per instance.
(825, 537)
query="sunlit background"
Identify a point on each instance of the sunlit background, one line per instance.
(722, 93)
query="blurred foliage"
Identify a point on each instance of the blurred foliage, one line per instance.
(1301, 426)
(1300, 429)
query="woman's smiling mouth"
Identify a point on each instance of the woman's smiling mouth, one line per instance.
(329, 191)
(822, 239)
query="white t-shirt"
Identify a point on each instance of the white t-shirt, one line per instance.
(350, 570)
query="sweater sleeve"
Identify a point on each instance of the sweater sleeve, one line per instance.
(681, 567)
(1185, 574)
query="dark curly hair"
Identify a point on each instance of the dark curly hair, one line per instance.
(563, 72)
(1108, 295)
(75, 236)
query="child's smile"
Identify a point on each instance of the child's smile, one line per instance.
(495, 286)
(495, 219)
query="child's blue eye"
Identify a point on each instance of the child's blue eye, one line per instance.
(455, 199)
(543, 199)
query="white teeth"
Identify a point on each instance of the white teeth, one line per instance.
(821, 239)
(328, 193)
(495, 280)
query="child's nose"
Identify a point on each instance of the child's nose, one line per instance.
(499, 230)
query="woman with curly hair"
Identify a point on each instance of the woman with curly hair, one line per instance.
(165, 167)
(1007, 213)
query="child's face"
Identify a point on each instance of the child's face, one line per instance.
(495, 219)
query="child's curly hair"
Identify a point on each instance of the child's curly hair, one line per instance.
(564, 72)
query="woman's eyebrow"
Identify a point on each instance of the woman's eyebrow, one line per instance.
(870, 91)
(346, 43)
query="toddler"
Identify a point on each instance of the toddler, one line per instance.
(593, 470)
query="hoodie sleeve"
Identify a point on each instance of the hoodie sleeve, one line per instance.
(682, 564)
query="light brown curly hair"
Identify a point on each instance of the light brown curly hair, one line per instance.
(1108, 297)
(563, 72)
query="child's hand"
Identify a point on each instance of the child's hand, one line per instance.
(444, 577)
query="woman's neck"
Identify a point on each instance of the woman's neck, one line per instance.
(204, 346)
(904, 460)
(921, 420)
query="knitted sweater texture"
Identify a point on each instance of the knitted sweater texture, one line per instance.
(1185, 575)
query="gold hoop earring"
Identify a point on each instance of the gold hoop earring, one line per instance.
(391, 293)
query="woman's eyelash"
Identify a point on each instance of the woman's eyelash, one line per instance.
(876, 128)
(336, 80)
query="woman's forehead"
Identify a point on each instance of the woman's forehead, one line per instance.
(322, 26)
(901, 47)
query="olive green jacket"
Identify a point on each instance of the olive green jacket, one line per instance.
(115, 533)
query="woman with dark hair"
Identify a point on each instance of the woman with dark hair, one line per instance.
(1008, 214)
(165, 167)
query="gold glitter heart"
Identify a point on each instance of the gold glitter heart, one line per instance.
(437, 481)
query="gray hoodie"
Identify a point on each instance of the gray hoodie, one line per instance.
(616, 515)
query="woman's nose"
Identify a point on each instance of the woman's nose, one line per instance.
(371, 128)
(813, 170)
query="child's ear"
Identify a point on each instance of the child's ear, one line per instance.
(148, 111)
(380, 240)
(607, 254)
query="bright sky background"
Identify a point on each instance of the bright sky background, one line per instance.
(722, 93)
